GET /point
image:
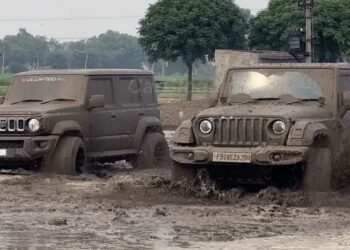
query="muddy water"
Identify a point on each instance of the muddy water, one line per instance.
(92, 213)
(144, 210)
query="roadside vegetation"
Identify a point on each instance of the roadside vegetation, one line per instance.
(4, 82)
(174, 87)
(201, 27)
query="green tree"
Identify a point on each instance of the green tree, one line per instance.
(2, 56)
(271, 28)
(109, 50)
(191, 30)
(25, 51)
(58, 56)
(115, 50)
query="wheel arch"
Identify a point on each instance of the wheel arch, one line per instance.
(68, 128)
(144, 126)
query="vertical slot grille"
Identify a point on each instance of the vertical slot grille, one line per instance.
(245, 132)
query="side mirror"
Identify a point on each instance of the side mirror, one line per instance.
(96, 101)
(2, 99)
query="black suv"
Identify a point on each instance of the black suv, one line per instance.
(61, 120)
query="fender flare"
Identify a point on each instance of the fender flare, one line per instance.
(184, 133)
(305, 133)
(63, 127)
(315, 130)
(145, 124)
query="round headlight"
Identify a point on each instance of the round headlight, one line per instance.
(206, 127)
(34, 125)
(279, 127)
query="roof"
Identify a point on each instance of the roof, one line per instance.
(344, 66)
(87, 72)
(263, 54)
(276, 55)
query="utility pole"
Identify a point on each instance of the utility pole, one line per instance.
(86, 60)
(308, 6)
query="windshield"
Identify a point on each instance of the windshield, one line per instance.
(43, 89)
(263, 85)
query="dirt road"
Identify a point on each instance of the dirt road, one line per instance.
(144, 210)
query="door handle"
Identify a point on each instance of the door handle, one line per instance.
(113, 115)
(141, 114)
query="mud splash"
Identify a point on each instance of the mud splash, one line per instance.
(145, 210)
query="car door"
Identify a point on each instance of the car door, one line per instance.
(149, 97)
(129, 107)
(103, 124)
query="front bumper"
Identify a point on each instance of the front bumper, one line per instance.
(27, 148)
(289, 155)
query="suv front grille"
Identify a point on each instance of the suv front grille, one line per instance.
(12, 125)
(11, 144)
(239, 131)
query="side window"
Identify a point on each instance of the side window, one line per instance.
(345, 89)
(148, 91)
(346, 98)
(129, 92)
(102, 86)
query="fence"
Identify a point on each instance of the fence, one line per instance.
(181, 92)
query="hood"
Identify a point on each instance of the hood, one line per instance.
(295, 111)
(36, 108)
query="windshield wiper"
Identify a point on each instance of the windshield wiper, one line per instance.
(59, 100)
(305, 100)
(245, 99)
(27, 100)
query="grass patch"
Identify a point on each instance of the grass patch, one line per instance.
(5, 79)
(3, 90)
(181, 81)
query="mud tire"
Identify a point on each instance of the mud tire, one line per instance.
(318, 171)
(181, 172)
(69, 157)
(154, 153)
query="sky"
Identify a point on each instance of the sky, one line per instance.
(67, 20)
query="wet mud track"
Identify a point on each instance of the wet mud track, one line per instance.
(124, 209)
(143, 210)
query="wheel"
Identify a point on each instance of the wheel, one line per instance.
(181, 172)
(154, 152)
(318, 171)
(69, 157)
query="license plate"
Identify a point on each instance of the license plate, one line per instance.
(232, 157)
(3, 152)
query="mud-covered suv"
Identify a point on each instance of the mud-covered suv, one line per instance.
(285, 124)
(62, 120)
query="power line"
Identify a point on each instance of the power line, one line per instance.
(70, 38)
(65, 19)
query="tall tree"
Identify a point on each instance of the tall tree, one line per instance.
(109, 50)
(271, 28)
(191, 30)
(26, 49)
(2, 56)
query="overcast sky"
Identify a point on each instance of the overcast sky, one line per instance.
(80, 19)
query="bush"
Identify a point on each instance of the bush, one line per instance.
(5, 79)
